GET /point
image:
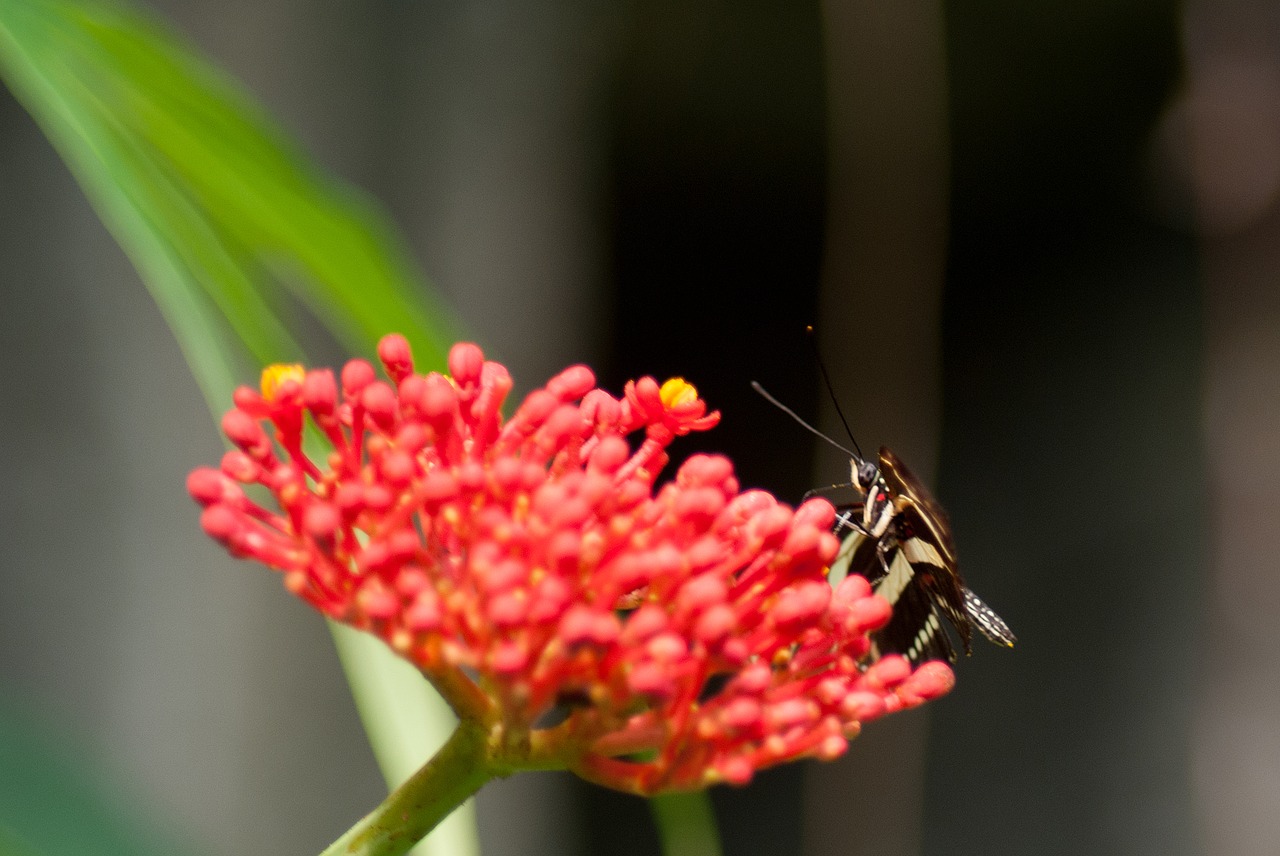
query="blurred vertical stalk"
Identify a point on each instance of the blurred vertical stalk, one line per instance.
(879, 330)
(1230, 116)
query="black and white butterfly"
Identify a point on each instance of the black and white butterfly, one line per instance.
(900, 540)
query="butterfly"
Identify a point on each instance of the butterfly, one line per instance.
(900, 540)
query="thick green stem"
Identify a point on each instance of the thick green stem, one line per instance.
(412, 810)
(686, 824)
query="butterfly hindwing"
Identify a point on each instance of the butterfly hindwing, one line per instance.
(985, 619)
(916, 630)
(934, 572)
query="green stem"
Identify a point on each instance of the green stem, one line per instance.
(686, 824)
(427, 797)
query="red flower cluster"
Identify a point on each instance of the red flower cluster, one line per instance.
(648, 640)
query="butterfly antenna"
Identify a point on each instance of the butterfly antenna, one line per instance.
(787, 410)
(826, 379)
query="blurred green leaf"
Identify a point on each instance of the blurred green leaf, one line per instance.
(230, 225)
(54, 803)
(232, 230)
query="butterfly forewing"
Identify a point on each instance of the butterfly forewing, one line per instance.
(909, 492)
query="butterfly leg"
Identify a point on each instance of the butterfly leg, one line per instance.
(823, 491)
(848, 516)
(884, 550)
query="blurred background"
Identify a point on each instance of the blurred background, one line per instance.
(1038, 243)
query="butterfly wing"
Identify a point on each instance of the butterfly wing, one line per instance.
(985, 619)
(924, 533)
(910, 495)
(915, 631)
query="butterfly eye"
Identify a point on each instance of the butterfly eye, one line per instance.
(867, 474)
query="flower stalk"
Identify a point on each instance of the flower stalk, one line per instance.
(456, 772)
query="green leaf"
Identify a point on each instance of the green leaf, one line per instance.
(52, 803)
(232, 229)
(230, 225)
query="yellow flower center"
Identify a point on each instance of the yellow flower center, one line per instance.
(677, 391)
(275, 375)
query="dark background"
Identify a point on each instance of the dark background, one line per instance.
(989, 212)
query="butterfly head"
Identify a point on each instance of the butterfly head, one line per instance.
(877, 509)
